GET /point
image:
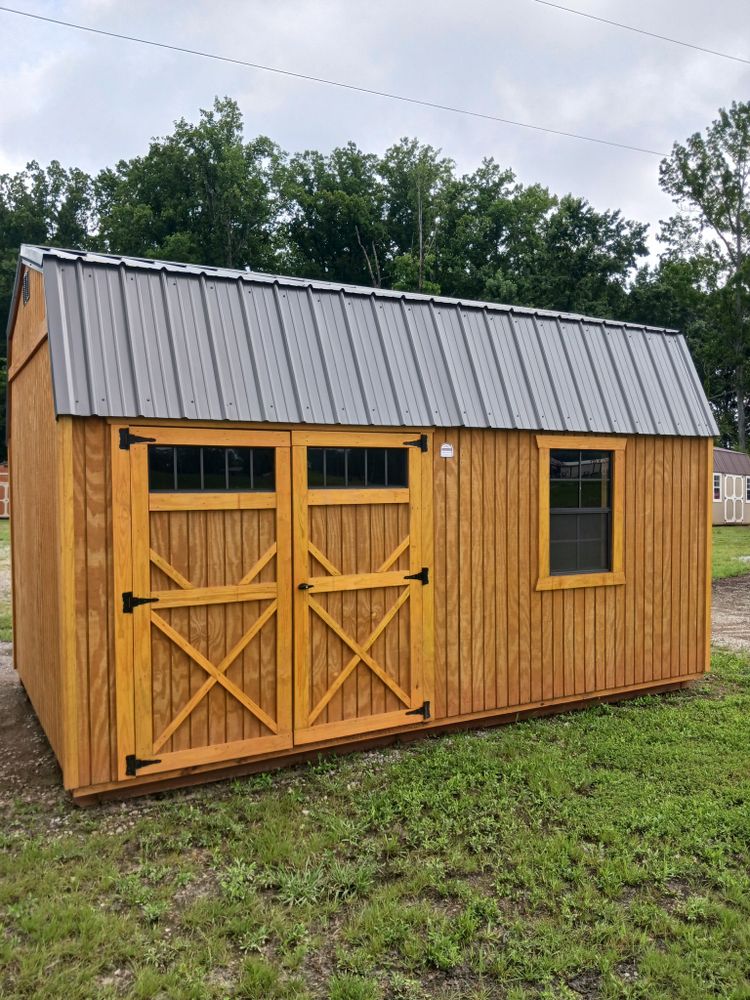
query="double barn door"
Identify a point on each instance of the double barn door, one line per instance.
(272, 586)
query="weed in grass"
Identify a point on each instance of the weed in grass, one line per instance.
(348, 987)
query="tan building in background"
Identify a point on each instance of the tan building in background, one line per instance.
(731, 487)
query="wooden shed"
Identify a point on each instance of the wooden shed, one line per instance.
(731, 487)
(257, 517)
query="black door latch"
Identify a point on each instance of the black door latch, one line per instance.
(305, 586)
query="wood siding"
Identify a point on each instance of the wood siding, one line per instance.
(33, 448)
(499, 643)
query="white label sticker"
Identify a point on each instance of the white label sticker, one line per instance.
(446, 450)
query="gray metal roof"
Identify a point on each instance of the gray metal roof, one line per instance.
(143, 338)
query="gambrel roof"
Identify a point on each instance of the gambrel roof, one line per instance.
(144, 338)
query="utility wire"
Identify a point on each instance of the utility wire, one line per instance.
(642, 31)
(332, 83)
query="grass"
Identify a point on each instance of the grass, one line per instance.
(603, 853)
(729, 545)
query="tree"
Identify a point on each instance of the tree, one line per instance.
(201, 195)
(709, 178)
(334, 209)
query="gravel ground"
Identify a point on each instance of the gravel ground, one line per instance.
(731, 613)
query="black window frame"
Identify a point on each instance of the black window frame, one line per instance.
(401, 481)
(175, 488)
(604, 512)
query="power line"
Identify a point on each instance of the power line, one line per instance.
(333, 83)
(642, 31)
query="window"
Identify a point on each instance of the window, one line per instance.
(194, 468)
(581, 499)
(580, 511)
(747, 488)
(717, 486)
(356, 468)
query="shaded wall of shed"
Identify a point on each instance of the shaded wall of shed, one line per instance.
(499, 643)
(33, 442)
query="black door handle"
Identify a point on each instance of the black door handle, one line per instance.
(305, 586)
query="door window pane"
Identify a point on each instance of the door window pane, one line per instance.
(264, 477)
(357, 468)
(194, 468)
(161, 468)
(188, 468)
(214, 469)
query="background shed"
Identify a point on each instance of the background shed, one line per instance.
(731, 487)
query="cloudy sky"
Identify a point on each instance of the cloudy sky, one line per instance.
(88, 100)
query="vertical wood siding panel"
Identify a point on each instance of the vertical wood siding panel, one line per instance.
(453, 554)
(488, 652)
(512, 479)
(480, 656)
(658, 550)
(640, 557)
(441, 579)
(501, 563)
(536, 633)
(524, 597)
(631, 504)
(677, 533)
(666, 549)
(648, 563)
(465, 527)
(85, 546)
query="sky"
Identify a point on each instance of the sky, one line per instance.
(89, 101)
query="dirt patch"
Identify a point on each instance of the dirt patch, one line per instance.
(731, 613)
(28, 769)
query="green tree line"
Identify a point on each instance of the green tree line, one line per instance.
(408, 220)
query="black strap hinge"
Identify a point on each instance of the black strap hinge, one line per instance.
(423, 576)
(126, 439)
(129, 601)
(421, 443)
(423, 710)
(132, 763)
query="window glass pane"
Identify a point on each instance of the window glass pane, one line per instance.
(355, 468)
(563, 494)
(563, 557)
(188, 467)
(264, 469)
(594, 494)
(239, 468)
(335, 467)
(563, 527)
(592, 526)
(595, 465)
(214, 468)
(160, 467)
(563, 464)
(396, 467)
(315, 467)
(593, 556)
(376, 466)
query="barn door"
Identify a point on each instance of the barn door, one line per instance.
(210, 604)
(359, 579)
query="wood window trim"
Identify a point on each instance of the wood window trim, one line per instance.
(615, 576)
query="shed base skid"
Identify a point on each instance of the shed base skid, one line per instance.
(152, 784)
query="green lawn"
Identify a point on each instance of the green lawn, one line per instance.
(603, 853)
(729, 545)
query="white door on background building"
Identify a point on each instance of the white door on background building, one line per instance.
(734, 499)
